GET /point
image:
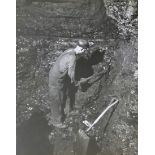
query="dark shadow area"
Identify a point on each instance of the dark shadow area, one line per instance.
(96, 58)
(32, 136)
(84, 67)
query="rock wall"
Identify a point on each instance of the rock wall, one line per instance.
(67, 19)
(46, 29)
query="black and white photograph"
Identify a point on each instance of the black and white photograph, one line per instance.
(77, 77)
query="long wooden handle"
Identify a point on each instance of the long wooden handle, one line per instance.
(101, 115)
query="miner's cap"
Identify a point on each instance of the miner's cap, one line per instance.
(83, 43)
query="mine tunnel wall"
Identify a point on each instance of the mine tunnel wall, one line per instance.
(78, 19)
(44, 33)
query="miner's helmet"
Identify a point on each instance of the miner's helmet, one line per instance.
(83, 43)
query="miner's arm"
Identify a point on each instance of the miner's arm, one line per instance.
(71, 71)
(92, 79)
(85, 83)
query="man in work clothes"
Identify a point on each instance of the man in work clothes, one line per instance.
(61, 76)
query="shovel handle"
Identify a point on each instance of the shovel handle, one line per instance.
(101, 115)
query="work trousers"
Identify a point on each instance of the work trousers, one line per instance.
(57, 100)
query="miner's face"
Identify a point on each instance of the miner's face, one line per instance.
(80, 50)
(83, 52)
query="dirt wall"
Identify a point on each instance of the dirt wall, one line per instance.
(45, 30)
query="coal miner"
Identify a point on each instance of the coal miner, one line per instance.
(72, 70)
(62, 81)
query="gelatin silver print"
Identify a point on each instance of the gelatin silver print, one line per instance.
(77, 73)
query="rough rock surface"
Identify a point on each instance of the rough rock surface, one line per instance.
(44, 31)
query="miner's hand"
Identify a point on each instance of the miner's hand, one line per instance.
(83, 84)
